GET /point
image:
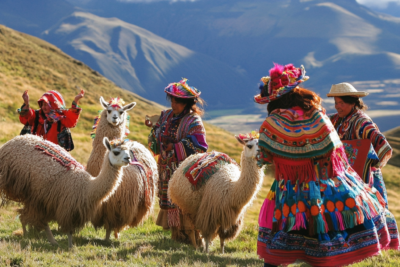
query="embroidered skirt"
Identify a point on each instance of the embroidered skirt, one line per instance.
(331, 222)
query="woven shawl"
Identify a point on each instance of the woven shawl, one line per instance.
(284, 135)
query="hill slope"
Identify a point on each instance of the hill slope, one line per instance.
(142, 62)
(393, 136)
(28, 63)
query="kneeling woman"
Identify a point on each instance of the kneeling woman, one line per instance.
(178, 134)
(316, 211)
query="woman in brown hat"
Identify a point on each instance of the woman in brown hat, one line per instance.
(351, 122)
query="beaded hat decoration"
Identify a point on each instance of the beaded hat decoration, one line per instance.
(281, 80)
(182, 90)
(116, 103)
(249, 136)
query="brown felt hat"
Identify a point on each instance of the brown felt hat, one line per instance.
(345, 89)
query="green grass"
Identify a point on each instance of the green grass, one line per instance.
(149, 245)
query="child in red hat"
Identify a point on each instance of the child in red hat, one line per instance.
(52, 113)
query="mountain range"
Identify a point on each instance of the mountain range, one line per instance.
(225, 46)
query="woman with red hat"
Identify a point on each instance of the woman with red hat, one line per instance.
(52, 117)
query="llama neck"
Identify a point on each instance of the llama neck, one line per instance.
(104, 129)
(104, 185)
(249, 183)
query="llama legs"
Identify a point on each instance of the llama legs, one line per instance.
(50, 236)
(207, 243)
(222, 242)
(70, 239)
(116, 234)
(108, 233)
(24, 228)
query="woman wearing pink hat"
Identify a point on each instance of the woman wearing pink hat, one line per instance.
(52, 118)
(317, 210)
(178, 133)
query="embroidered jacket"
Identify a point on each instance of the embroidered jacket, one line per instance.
(358, 125)
(188, 136)
(70, 119)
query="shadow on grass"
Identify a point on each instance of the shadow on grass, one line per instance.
(175, 252)
(38, 240)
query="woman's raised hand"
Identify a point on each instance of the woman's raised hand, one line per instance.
(79, 96)
(25, 97)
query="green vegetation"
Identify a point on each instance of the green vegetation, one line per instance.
(28, 63)
(393, 136)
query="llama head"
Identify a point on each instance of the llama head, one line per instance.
(250, 144)
(116, 112)
(118, 152)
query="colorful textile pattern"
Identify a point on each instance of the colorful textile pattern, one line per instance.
(182, 90)
(281, 134)
(147, 174)
(59, 154)
(358, 125)
(199, 171)
(318, 209)
(47, 128)
(97, 120)
(281, 80)
(187, 134)
(361, 156)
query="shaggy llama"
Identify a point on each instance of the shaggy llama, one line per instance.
(133, 200)
(50, 191)
(218, 207)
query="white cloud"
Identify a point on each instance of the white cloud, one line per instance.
(381, 4)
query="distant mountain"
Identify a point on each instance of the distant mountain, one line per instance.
(33, 17)
(337, 40)
(29, 63)
(143, 62)
(232, 43)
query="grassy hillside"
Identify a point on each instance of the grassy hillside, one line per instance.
(393, 136)
(28, 63)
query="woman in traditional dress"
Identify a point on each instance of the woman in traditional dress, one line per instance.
(316, 211)
(178, 133)
(52, 111)
(352, 123)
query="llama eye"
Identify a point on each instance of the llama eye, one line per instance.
(109, 111)
(250, 146)
(116, 153)
(121, 112)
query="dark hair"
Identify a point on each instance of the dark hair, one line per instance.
(358, 103)
(190, 103)
(300, 97)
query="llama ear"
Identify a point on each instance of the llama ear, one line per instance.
(106, 143)
(240, 140)
(129, 106)
(103, 102)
